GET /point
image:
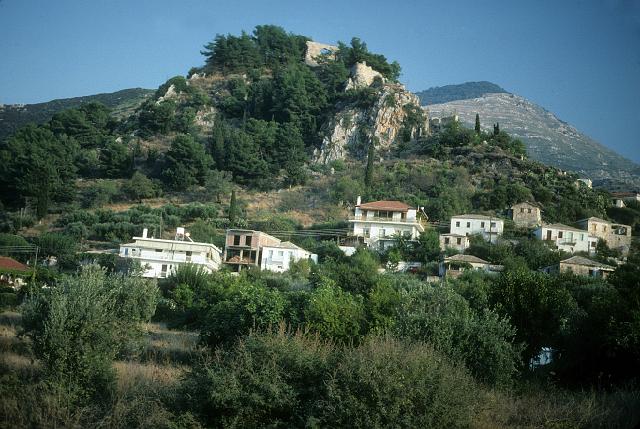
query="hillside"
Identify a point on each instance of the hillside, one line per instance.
(548, 139)
(14, 116)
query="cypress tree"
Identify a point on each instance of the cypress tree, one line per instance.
(368, 172)
(496, 129)
(477, 124)
(233, 208)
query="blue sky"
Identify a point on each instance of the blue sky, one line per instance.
(578, 59)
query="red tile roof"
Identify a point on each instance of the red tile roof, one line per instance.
(396, 206)
(7, 263)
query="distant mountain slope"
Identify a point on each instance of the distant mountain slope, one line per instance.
(464, 91)
(14, 116)
(548, 139)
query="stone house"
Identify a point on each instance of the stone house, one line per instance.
(567, 238)
(580, 266)
(457, 242)
(454, 266)
(617, 236)
(526, 214)
(490, 227)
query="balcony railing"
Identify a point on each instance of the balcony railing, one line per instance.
(386, 219)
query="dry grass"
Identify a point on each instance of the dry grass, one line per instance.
(537, 407)
(165, 346)
(132, 374)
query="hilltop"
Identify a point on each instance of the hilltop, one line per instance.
(258, 116)
(548, 139)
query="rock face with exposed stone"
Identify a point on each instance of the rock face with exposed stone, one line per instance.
(315, 49)
(362, 76)
(353, 128)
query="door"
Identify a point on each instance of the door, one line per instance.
(548, 234)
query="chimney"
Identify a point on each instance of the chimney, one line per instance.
(145, 231)
(358, 201)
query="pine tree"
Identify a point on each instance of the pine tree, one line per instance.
(233, 208)
(368, 172)
(477, 124)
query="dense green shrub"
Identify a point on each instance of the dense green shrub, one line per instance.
(282, 379)
(79, 326)
(483, 341)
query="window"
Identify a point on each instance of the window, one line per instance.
(236, 240)
(163, 271)
(446, 240)
(604, 228)
(528, 210)
(457, 224)
(159, 250)
(560, 234)
(482, 225)
(459, 240)
(468, 224)
(247, 240)
(493, 224)
(270, 253)
(521, 209)
(367, 232)
(593, 244)
(280, 253)
(126, 251)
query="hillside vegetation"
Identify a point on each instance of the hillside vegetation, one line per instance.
(13, 117)
(346, 342)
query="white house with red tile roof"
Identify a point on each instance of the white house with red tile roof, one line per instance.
(378, 223)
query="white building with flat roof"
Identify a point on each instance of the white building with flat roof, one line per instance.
(160, 258)
(490, 227)
(278, 257)
(567, 238)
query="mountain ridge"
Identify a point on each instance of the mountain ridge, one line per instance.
(548, 138)
(14, 116)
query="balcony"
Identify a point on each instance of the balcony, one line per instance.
(386, 219)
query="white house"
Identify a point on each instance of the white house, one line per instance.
(567, 238)
(160, 258)
(378, 223)
(490, 227)
(278, 257)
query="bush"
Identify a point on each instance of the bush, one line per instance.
(8, 299)
(80, 325)
(282, 379)
(387, 382)
(483, 340)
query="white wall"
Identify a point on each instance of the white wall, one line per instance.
(279, 259)
(467, 226)
(571, 241)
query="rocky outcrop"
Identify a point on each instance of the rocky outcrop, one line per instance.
(315, 49)
(362, 76)
(353, 128)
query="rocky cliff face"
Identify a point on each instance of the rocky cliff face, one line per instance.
(353, 127)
